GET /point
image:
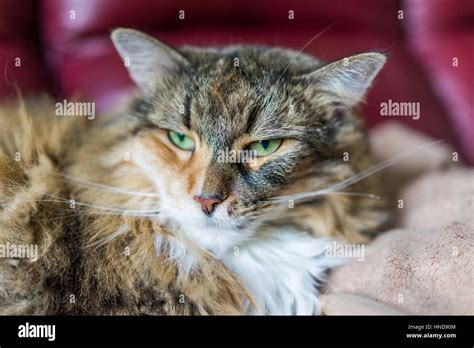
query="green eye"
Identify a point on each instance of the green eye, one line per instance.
(182, 141)
(265, 147)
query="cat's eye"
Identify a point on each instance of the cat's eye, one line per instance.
(181, 141)
(265, 147)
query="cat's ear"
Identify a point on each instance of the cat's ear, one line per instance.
(147, 59)
(347, 79)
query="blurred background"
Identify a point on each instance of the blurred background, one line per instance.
(63, 47)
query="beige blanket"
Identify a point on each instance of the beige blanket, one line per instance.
(426, 264)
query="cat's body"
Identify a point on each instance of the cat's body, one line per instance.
(122, 218)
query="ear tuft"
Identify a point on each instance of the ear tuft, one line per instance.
(147, 59)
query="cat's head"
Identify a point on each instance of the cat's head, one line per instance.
(223, 131)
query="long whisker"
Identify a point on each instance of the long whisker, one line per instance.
(111, 209)
(278, 211)
(122, 230)
(107, 188)
(105, 208)
(95, 214)
(31, 200)
(37, 191)
(357, 177)
(296, 196)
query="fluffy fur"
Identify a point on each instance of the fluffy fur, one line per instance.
(110, 204)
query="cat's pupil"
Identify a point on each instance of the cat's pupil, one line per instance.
(265, 143)
(181, 136)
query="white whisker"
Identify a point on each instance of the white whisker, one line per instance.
(354, 178)
(112, 209)
(107, 188)
(82, 213)
(105, 208)
(122, 230)
(31, 200)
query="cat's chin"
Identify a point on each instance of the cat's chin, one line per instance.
(213, 235)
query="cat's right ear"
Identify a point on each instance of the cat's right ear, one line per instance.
(148, 60)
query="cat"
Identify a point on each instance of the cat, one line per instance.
(136, 214)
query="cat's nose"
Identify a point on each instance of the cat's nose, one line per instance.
(208, 203)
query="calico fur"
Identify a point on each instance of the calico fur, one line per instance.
(109, 203)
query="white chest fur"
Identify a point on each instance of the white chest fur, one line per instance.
(282, 271)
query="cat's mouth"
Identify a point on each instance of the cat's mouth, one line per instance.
(221, 223)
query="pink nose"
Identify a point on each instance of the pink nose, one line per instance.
(208, 203)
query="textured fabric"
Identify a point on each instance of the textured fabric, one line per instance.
(425, 266)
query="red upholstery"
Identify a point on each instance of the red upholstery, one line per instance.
(81, 61)
(20, 58)
(443, 39)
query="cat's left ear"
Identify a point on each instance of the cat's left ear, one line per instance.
(347, 79)
(148, 60)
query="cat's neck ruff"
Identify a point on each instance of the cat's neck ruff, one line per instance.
(281, 268)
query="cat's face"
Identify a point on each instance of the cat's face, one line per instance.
(224, 131)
